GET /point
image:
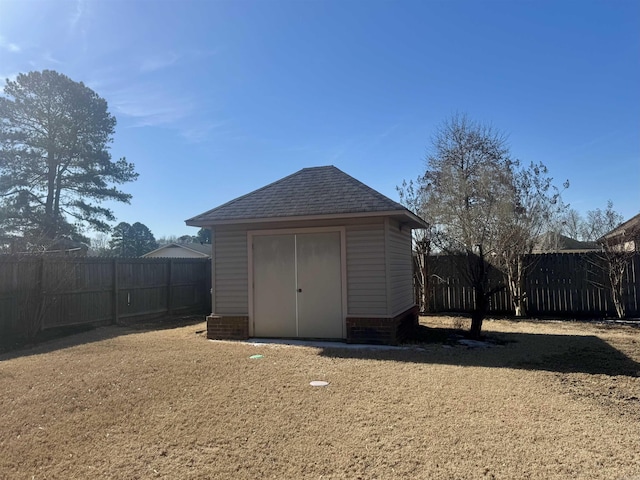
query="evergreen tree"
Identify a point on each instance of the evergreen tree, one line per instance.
(132, 240)
(120, 243)
(204, 235)
(55, 165)
(142, 240)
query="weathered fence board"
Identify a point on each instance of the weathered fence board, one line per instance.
(559, 284)
(40, 292)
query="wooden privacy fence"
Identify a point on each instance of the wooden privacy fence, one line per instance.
(557, 284)
(46, 292)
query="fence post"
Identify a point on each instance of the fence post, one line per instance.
(116, 288)
(169, 289)
(14, 311)
(208, 285)
(41, 294)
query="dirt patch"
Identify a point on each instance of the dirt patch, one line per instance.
(119, 403)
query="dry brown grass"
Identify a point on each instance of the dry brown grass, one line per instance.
(552, 400)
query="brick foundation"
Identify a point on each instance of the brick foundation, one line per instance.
(227, 327)
(385, 331)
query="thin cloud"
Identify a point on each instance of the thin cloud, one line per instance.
(9, 46)
(48, 57)
(169, 59)
(147, 107)
(197, 133)
(77, 14)
(388, 131)
(159, 62)
(590, 143)
(78, 23)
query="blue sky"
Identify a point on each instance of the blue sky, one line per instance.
(217, 98)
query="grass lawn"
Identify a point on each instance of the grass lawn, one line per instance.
(546, 400)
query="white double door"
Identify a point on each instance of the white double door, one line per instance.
(297, 285)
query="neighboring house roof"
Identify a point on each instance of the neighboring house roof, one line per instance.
(202, 249)
(556, 242)
(629, 230)
(325, 192)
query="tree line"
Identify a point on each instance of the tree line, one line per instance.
(136, 240)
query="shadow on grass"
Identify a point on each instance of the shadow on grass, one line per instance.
(549, 352)
(65, 337)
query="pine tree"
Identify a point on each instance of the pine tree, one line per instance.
(55, 165)
(132, 240)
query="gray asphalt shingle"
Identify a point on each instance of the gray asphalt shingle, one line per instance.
(310, 191)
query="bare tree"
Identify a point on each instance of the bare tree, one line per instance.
(599, 222)
(411, 197)
(482, 204)
(571, 224)
(465, 189)
(590, 227)
(100, 245)
(614, 257)
(616, 263)
(615, 250)
(167, 239)
(536, 208)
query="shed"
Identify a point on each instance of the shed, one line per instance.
(317, 254)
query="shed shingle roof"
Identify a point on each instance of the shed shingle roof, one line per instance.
(317, 191)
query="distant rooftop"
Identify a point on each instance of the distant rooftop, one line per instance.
(629, 228)
(556, 242)
(203, 248)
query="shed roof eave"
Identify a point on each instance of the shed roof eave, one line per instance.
(405, 216)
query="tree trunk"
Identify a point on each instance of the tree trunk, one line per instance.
(56, 201)
(426, 287)
(617, 292)
(49, 217)
(478, 281)
(617, 264)
(422, 282)
(517, 287)
(476, 324)
(478, 313)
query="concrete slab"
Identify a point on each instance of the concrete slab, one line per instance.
(323, 344)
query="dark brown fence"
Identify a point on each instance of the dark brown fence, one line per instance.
(559, 284)
(47, 292)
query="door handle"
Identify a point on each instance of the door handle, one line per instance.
(299, 290)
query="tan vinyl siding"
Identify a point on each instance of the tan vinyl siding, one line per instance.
(400, 268)
(366, 278)
(231, 272)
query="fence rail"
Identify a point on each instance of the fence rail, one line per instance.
(46, 292)
(557, 284)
